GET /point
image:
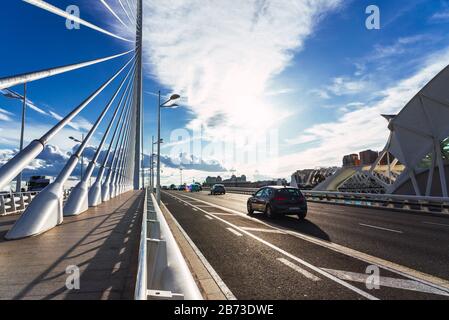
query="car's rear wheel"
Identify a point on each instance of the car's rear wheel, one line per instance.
(249, 207)
(302, 216)
(269, 212)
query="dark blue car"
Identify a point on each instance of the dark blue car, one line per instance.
(278, 200)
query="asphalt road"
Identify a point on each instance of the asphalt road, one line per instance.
(331, 255)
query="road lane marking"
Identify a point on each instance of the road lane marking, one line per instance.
(223, 287)
(428, 279)
(300, 261)
(238, 234)
(403, 284)
(380, 228)
(298, 269)
(436, 224)
(208, 217)
(263, 230)
(221, 214)
(194, 209)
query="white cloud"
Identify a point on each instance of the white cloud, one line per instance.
(10, 135)
(344, 86)
(347, 86)
(5, 115)
(440, 16)
(321, 93)
(78, 123)
(221, 55)
(302, 139)
(362, 128)
(400, 46)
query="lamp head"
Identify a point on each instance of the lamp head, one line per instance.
(174, 97)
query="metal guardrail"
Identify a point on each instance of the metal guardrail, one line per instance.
(383, 201)
(12, 203)
(17, 202)
(379, 201)
(163, 273)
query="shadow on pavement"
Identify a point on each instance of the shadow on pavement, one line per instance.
(305, 227)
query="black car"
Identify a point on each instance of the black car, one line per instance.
(278, 200)
(217, 189)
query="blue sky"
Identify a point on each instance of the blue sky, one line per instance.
(306, 75)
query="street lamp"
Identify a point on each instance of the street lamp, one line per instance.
(82, 158)
(180, 171)
(153, 155)
(160, 106)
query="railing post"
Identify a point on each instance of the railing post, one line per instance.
(2, 205)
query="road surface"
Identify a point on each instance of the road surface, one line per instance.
(335, 254)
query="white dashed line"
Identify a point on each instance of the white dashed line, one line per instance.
(238, 234)
(262, 230)
(208, 217)
(298, 269)
(380, 228)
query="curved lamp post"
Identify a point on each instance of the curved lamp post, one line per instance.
(163, 105)
(82, 158)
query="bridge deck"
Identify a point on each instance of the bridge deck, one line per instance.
(103, 242)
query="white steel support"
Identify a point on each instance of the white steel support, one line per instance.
(95, 192)
(116, 173)
(431, 174)
(107, 188)
(77, 201)
(441, 169)
(14, 166)
(139, 106)
(46, 211)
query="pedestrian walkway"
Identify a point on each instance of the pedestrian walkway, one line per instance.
(102, 242)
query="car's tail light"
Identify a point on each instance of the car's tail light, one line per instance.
(280, 198)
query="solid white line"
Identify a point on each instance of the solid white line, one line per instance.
(238, 234)
(379, 228)
(221, 214)
(436, 224)
(262, 230)
(410, 273)
(297, 268)
(223, 287)
(304, 263)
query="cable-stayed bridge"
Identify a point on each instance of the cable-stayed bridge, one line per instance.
(114, 239)
(106, 221)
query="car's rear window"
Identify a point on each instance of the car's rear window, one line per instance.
(289, 192)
